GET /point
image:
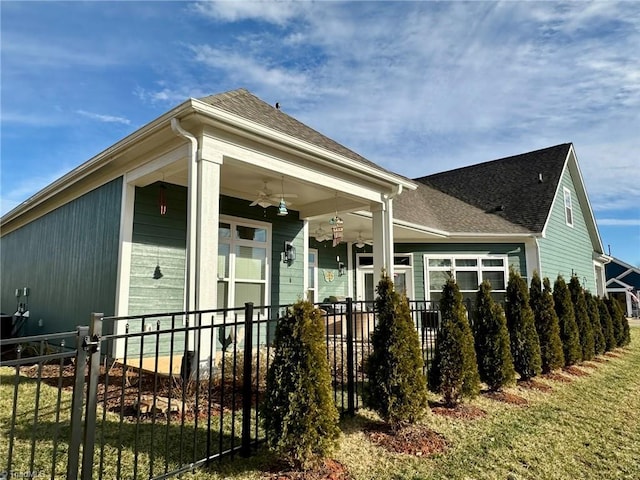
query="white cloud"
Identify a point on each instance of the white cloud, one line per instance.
(276, 12)
(619, 222)
(104, 118)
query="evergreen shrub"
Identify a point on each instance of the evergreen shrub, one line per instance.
(594, 315)
(567, 320)
(607, 325)
(454, 369)
(585, 330)
(525, 346)
(397, 387)
(493, 351)
(300, 416)
(547, 324)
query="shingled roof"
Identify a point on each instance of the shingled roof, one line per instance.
(508, 188)
(243, 103)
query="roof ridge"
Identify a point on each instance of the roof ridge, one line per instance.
(488, 162)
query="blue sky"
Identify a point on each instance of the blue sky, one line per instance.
(417, 87)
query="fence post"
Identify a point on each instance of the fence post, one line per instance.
(91, 345)
(247, 403)
(77, 401)
(351, 390)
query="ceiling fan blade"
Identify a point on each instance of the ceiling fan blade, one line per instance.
(254, 203)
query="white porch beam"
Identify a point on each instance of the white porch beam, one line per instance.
(323, 207)
(289, 169)
(151, 171)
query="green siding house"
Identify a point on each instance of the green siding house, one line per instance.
(226, 199)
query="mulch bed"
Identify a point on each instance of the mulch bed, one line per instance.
(328, 470)
(600, 360)
(460, 411)
(416, 440)
(556, 377)
(532, 384)
(506, 397)
(612, 355)
(575, 371)
(589, 364)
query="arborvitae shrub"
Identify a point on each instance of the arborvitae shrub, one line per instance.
(397, 387)
(495, 364)
(547, 324)
(607, 325)
(525, 346)
(594, 315)
(567, 320)
(300, 416)
(582, 318)
(454, 370)
(619, 320)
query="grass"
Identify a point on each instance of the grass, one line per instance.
(588, 429)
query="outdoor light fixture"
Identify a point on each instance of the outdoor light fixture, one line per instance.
(341, 267)
(289, 253)
(282, 207)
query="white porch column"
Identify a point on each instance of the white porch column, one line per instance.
(208, 217)
(382, 239)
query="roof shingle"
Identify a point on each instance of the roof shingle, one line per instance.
(518, 189)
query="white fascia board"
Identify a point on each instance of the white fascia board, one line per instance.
(95, 163)
(583, 197)
(243, 125)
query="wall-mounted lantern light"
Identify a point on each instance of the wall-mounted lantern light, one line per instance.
(289, 253)
(341, 267)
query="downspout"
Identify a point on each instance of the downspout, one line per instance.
(192, 207)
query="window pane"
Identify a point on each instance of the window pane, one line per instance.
(223, 260)
(440, 262)
(435, 296)
(493, 262)
(400, 283)
(250, 233)
(224, 230)
(369, 288)
(437, 280)
(312, 277)
(467, 280)
(466, 262)
(249, 292)
(496, 279)
(406, 261)
(365, 261)
(250, 263)
(223, 294)
(498, 297)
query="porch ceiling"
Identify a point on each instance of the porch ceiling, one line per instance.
(317, 203)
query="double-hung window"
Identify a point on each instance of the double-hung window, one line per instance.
(568, 207)
(243, 262)
(468, 271)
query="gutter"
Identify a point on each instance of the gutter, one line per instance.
(192, 215)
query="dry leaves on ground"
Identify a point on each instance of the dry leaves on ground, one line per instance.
(329, 469)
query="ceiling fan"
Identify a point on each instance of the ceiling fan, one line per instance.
(361, 241)
(322, 235)
(267, 197)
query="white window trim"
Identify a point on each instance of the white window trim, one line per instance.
(479, 268)
(568, 206)
(397, 268)
(234, 221)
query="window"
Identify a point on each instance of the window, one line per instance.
(469, 272)
(568, 208)
(243, 263)
(368, 279)
(312, 276)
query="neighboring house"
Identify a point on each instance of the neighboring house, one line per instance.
(623, 283)
(206, 206)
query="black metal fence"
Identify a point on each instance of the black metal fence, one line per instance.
(166, 393)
